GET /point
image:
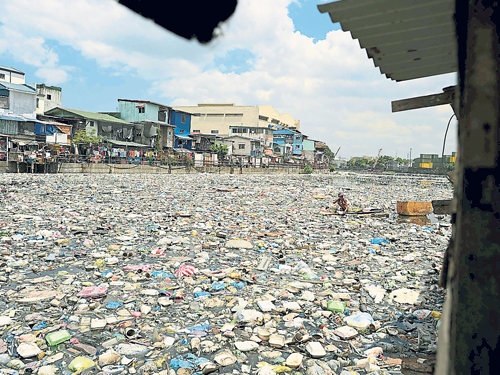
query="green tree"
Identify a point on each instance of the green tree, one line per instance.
(83, 136)
(359, 162)
(307, 169)
(384, 160)
(220, 150)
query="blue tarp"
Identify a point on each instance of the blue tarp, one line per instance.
(46, 129)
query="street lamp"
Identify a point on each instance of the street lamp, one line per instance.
(411, 164)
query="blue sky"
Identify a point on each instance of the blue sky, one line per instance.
(282, 53)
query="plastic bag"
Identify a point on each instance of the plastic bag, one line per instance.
(302, 267)
(362, 320)
(81, 363)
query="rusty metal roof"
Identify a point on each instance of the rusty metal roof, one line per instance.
(406, 39)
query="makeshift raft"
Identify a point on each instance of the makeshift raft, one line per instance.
(366, 212)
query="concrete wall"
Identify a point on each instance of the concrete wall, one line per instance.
(10, 167)
(233, 142)
(136, 169)
(221, 117)
(285, 119)
(45, 104)
(23, 103)
(130, 113)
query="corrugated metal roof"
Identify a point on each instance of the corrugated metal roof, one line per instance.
(14, 70)
(14, 118)
(406, 39)
(19, 87)
(144, 102)
(90, 115)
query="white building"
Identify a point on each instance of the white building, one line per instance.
(221, 119)
(18, 99)
(48, 97)
(11, 75)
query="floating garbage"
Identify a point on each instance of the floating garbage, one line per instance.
(198, 273)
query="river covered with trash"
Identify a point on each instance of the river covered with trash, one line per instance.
(208, 273)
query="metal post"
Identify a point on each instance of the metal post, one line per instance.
(470, 329)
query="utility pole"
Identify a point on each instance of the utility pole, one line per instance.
(411, 163)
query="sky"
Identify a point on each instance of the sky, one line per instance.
(283, 53)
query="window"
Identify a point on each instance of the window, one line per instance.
(37, 103)
(2, 76)
(263, 118)
(297, 147)
(241, 146)
(274, 121)
(297, 138)
(142, 110)
(183, 118)
(181, 131)
(196, 131)
(49, 97)
(162, 116)
(215, 116)
(214, 131)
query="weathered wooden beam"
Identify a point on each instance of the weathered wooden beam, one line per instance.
(442, 207)
(470, 330)
(418, 366)
(446, 97)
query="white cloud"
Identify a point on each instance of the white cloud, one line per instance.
(330, 85)
(33, 51)
(52, 76)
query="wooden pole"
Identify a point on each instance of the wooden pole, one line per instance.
(469, 341)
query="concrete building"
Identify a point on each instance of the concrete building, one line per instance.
(289, 138)
(218, 118)
(11, 75)
(18, 99)
(150, 119)
(48, 97)
(263, 134)
(245, 149)
(309, 150)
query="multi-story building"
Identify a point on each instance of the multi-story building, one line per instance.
(219, 119)
(18, 99)
(287, 139)
(263, 134)
(11, 75)
(48, 97)
(150, 119)
(182, 122)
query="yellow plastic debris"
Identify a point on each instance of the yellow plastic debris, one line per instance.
(81, 363)
(436, 314)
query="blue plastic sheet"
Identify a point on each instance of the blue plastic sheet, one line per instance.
(203, 328)
(201, 294)
(379, 240)
(113, 304)
(218, 286)
(239, 285)
(178, 362)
